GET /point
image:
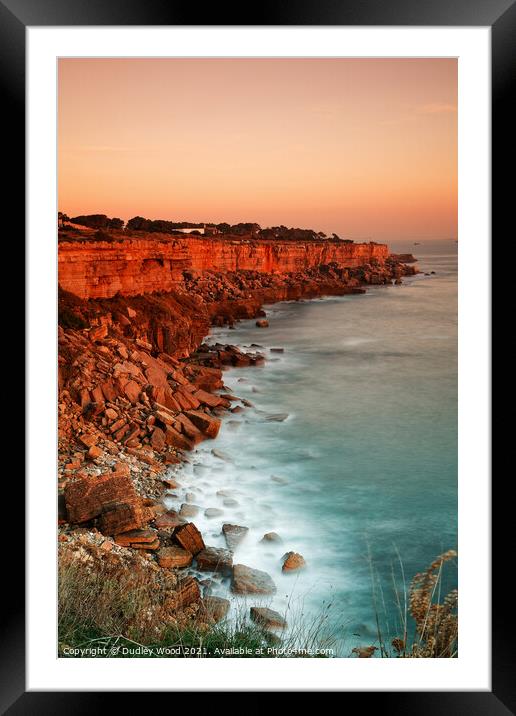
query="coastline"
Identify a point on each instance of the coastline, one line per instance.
(155, 530)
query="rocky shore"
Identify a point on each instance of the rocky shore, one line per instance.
(138, 390)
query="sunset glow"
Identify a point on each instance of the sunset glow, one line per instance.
(366, 148)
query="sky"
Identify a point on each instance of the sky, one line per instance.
(365, 148)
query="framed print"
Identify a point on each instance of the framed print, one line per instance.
(258, 269)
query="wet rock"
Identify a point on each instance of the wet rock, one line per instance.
(267, 618)
(188, 537)
(277, 350)
(234, 534)
(277, 417)
(271, 537)
(230, 502)
(174, 558)
(214, 559)
(212, 512)
(292, 561)
(251, 581)
(279, 480)
(188, 510)
(221, 455)
(262, 323)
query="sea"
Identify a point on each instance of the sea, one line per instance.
(348, 452)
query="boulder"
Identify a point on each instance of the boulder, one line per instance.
(188, 537)
(158, 439)
(262, 323)
(277, 417)
(138, 539)
(169, 520)
(208, 398)
(188, 510)
(207, 424)
(267, 618)
(132, 391)
(292, 561)
(188, 592)
(189, 429)
(212, 512)
(214, 559)
(174, 558)
(215, 608)
(251, 581)
(110, 497)
(175, 439)
(271, 537)
(234, 534)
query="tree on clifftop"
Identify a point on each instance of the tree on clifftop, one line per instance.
(93, 221)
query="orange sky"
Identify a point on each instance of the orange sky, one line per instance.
(363, 147)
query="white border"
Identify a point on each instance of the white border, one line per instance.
(471, 671)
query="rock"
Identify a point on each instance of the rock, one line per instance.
(138, 539)
(262, 323)
(207, 424)
(158, 439)
(188, 510)
(94, 452)
(267, 618)
(98, 334)
(277, 417)
(230, 502)
(279, 480)
(292, 562)
(277, 350)
(221, 455)
(364, 652)
(132, 391)
(213, 559)
(165, 417)
(169, 520)
(215, 608)
(110, 497)
(88, 439)
(189, 538)
(174, 558)
(271, 537)
(188, 592)
(175, 439)
(208, 399)
(251, 581)
(234, 534)
(213, 512)
(189, 429)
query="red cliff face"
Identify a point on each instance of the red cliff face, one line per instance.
(138, 266)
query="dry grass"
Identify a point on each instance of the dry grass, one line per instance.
(428, 619)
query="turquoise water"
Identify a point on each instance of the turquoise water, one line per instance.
(367, 458)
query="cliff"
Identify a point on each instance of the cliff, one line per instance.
(138, 265)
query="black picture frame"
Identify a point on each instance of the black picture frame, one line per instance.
(500, 16)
